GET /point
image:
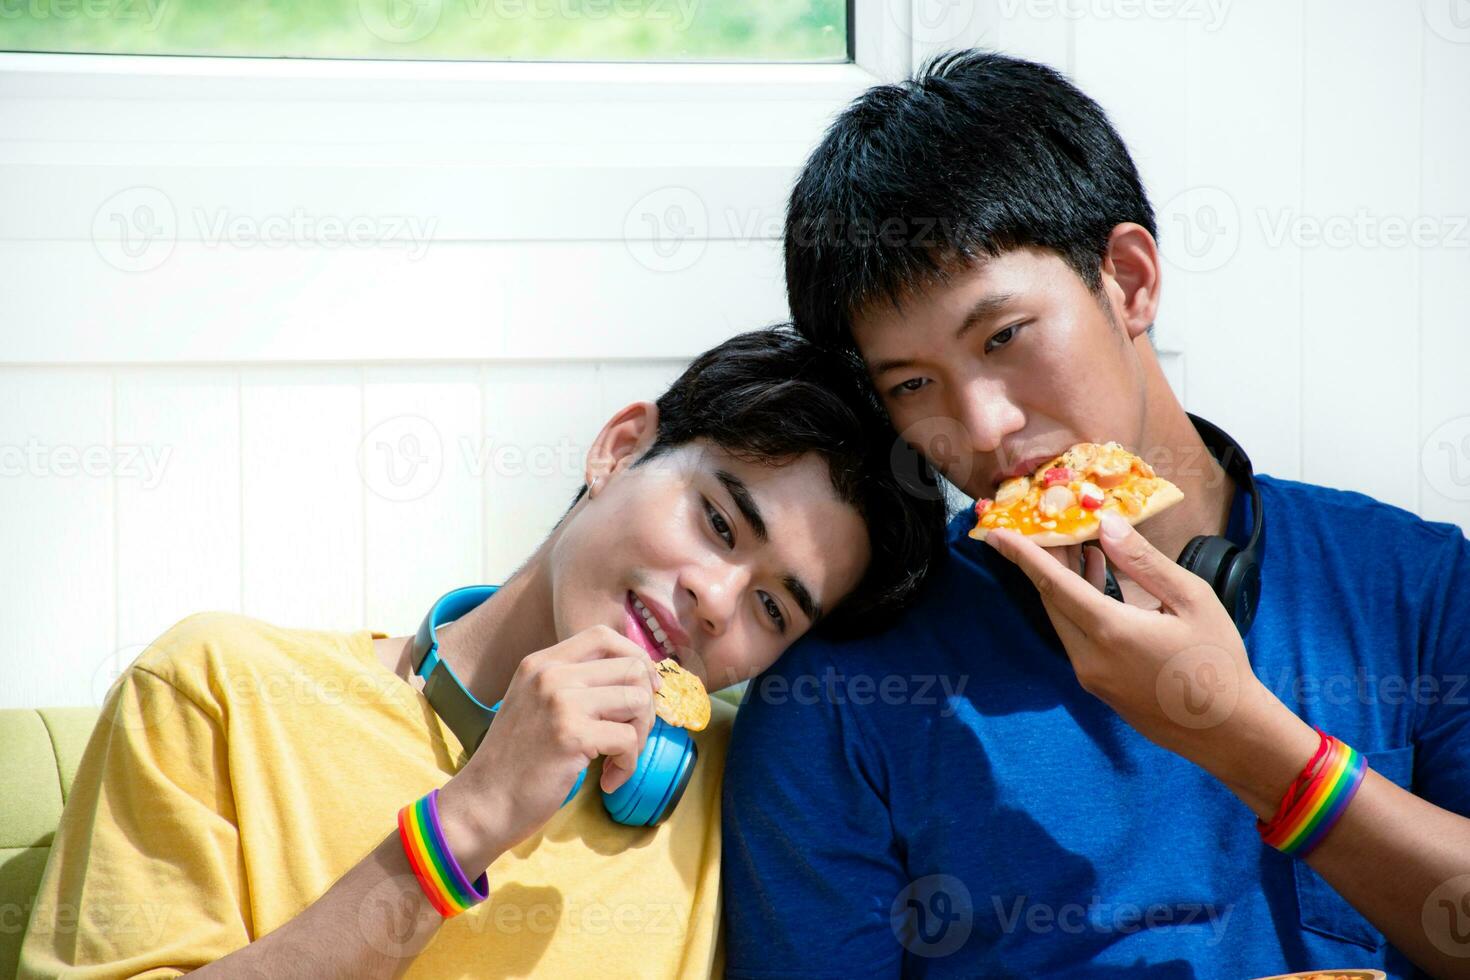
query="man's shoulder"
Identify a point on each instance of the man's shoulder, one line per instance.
(1355, 516)
(201, 650)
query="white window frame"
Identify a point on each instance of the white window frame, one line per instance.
(287, 131)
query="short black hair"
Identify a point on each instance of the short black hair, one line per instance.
(976, 155)
(769, 397)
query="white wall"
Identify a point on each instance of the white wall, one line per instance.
(330, 433)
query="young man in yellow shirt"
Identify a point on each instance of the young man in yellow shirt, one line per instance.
(234, 813)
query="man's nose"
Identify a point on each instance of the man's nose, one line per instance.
(986, 413)
(715, 589)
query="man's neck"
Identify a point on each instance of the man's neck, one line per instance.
(1179, 454)
(1172, 444)
(486, 645)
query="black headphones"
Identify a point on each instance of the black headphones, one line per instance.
(1232, 571)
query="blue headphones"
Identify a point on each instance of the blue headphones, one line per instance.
(664, 766)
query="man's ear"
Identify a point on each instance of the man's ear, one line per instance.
(625, 437)
(1131, 277)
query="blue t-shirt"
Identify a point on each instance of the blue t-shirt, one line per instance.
(945, 800)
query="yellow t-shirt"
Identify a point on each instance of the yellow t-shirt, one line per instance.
(239, 769)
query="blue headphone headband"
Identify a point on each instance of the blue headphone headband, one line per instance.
(664, 766)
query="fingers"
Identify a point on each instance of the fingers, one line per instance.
(1095, 568)
(1067, 556)
(1132, 554)
(1058, 586)
(615, 703)
(636, 670)
(612, 721)
(630, 704)
(595, 643)
(621, 744)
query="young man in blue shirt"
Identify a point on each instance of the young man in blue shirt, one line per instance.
(1026, 776)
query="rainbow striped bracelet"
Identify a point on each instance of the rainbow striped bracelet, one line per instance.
(444, 882)
(1309, 811)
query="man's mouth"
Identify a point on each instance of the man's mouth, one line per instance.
(642, 628)
(1023, 468)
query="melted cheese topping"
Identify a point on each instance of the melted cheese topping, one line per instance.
(1089, 463)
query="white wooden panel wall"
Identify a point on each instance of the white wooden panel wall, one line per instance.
(1307, 162)
(327, 497)
(329, 436)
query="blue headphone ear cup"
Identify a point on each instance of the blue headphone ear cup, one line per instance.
(664, 768)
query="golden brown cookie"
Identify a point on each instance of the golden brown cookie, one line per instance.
(681, 699)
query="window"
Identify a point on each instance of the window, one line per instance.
(469, 30)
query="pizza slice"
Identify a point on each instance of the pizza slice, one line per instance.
(1059, 504)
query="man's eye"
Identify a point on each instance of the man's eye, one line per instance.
(773, 611)
(909, 386)
(1002, 338)
(718, 522)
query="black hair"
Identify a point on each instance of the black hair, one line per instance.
(769, 397)
(976, 155)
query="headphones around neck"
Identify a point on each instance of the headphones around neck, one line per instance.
(664, 766)
(1232, 571)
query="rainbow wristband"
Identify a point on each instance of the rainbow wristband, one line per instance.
(448, 889)
(1300, 824)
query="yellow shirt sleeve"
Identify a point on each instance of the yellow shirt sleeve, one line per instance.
(146, 876)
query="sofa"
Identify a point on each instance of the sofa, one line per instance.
(39, 751)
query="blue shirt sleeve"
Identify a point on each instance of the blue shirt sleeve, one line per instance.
(810, 864)
(1442, 742)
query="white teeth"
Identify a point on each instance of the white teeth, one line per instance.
(651, 621)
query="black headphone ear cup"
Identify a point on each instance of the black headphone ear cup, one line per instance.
(1208, 557)
(1189, 557)
(1240, 590)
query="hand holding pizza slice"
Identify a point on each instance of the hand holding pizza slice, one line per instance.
(1061, 502)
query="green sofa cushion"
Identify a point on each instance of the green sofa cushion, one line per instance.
(39, 752)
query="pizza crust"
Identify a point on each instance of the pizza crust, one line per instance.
(1162, 499)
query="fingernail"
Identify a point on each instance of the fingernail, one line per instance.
(1114, 526)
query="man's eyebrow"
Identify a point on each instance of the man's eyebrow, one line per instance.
(744, 502)
(987, 307)
(984, 309)
(803, 597)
